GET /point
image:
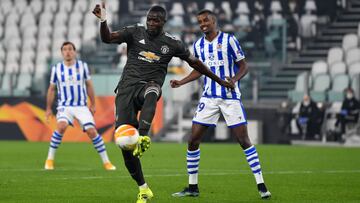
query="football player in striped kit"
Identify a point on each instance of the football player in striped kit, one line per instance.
(71, 79)
(222, 53)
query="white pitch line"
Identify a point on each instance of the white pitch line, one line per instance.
(235, 172)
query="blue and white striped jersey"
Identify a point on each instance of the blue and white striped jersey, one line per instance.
(70, 82)
(220, 56)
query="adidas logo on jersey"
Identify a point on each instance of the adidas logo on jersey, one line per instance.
(142, 41)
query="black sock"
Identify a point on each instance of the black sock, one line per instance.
(133, 165)
(147, 113)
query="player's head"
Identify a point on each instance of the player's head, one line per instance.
(207, 21)
(155, 20)
(349, 93)
(68, 51)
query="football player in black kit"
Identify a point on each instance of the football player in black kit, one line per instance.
(149, 51)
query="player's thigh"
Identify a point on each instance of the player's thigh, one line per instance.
(84, 116)
(125, 111)
(233, 112)
(207, 112)
(64, 115)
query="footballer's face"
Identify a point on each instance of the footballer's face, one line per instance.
(207, 23)
(155, 23)
(68, 52)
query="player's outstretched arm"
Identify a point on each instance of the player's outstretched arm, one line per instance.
(106, 35)
(191, 77)
(200, 67)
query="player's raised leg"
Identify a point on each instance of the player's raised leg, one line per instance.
(99, 145)
(193, 161)
(252, 158)
(55, 142)
(149, 96)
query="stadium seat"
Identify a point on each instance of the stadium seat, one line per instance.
(242, 8)
(11, 32)
(12, 56)
(61, 19)
(337, 68)
(4, 7)
(81, 6)
(275, 6)
(2, 68)
(51, 5)
(355, 84)
(12, 67)
(209, 5)
(321, 85)
(2, 53)
(20, 6)
(335, 54)
(310, 6)
(46, 19)
(339, 84)
(65, 6)
(349, 41)
(27, 20)
(59, 33)
(308, 25)
(352, 56)
(36, 6)
(318, 68)
(75, 19)
(301, 88)
(113, 5)
(331, 112)
(354, 69)
(29, 32)
(177, 9)
(225, 5)
(23, 85)
(27, 67)
(6, 84)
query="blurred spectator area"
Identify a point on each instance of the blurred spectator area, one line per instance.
(32, 31)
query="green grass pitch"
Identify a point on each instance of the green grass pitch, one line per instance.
(292, 173)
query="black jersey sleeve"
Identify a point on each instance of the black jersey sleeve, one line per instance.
(126, 34)
(181, 50)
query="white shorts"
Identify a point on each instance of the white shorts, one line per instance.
(209, 109)
(81, 113)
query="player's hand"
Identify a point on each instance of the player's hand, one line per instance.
(48, 114)
(228, 83)
(92, 109)
(100, 11)
(175, 83)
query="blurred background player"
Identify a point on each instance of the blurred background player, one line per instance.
(72, 80)
(149, 53)
(222, 53)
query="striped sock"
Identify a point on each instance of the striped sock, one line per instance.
(54, 144)
(254, 163)
(193, 159)
(100, 148)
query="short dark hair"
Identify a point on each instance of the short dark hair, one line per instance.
(209, 12)
(67, 43)
(159, 9)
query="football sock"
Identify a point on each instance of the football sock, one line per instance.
(147, 113)
(254, 163)
(100, 148)
(54, 144)
(133, 165)
(193, 160)
(144, 186)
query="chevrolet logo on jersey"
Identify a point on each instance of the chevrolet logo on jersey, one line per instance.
(148, 56)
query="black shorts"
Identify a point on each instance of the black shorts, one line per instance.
(128, 103)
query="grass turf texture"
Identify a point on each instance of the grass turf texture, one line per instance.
(292, 173)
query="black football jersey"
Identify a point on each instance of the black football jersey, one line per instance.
(148, 57)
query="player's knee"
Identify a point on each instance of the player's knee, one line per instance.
(91, 132)
(152, 90)
(193, 143)
(61, 127)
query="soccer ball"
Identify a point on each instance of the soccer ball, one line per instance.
(126, 137)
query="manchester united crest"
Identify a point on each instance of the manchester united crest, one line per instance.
(164, 49)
